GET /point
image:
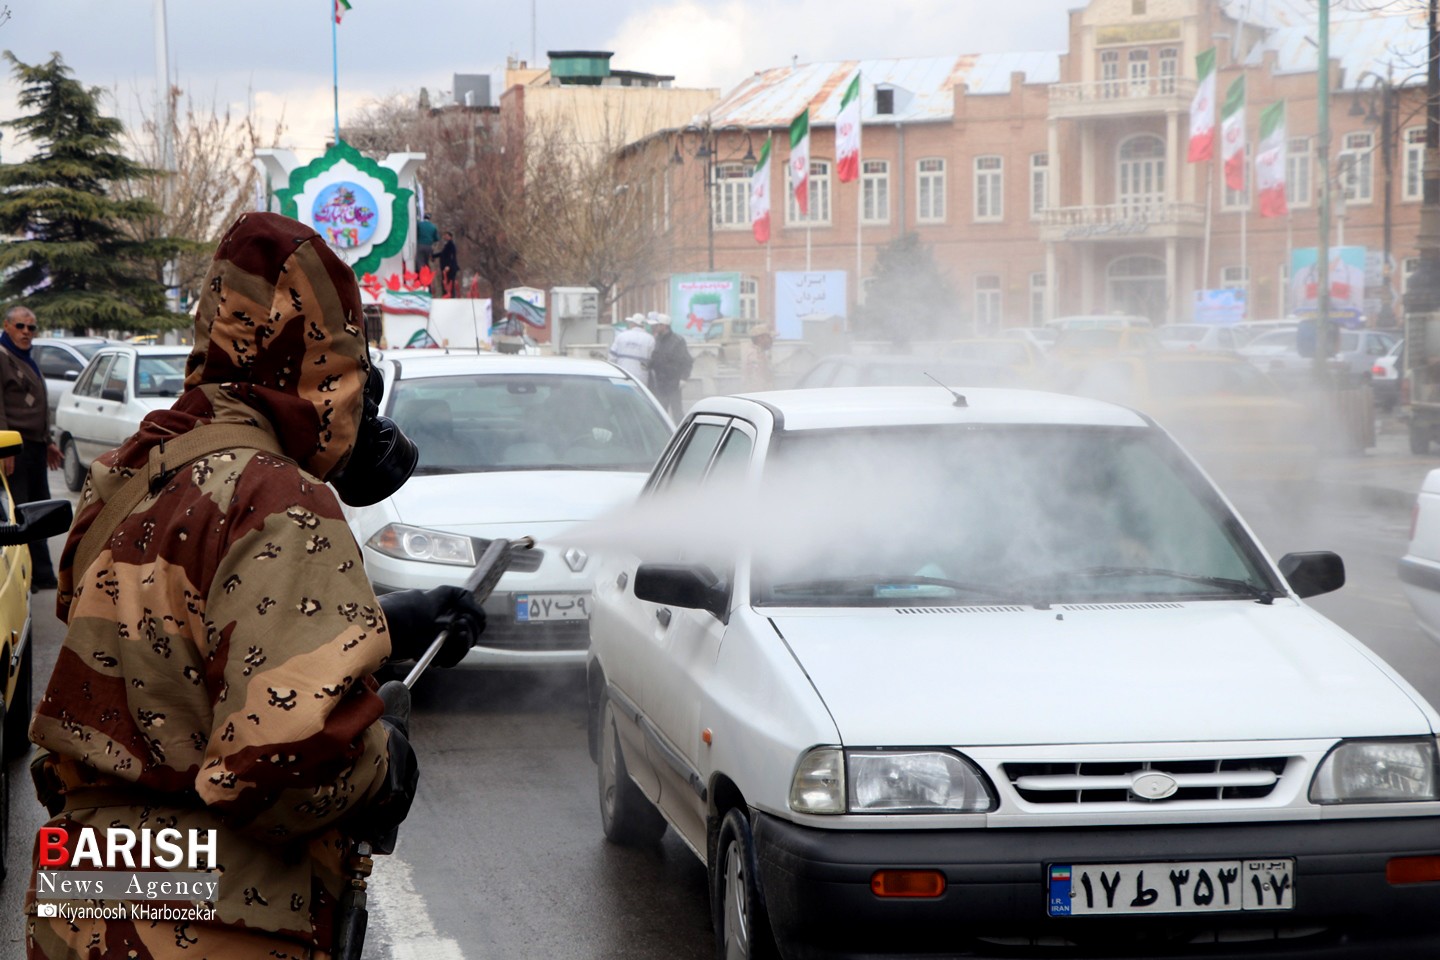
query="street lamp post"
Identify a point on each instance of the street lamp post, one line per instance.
(708, 151)
(1384, 90)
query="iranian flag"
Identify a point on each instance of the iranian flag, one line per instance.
(800, 160)
(1270, 162)
(847, 134)
(760, 196)
(1232, 134)
(1202, 109)
(341, 8)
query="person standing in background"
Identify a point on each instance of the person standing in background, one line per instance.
(426, 233)
(449, 265)
(670, 363)
(631, 348)
(23, 408)
(759, 372)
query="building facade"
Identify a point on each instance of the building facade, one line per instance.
(1048, 184)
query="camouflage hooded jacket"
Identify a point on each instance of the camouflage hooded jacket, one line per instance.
(217, 666)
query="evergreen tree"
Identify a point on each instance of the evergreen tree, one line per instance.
(909, 299)
(65, 245)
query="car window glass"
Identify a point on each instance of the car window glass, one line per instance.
(118, 376)
(982, 508)
(93, 379)
(687, 468)
(160, 376)
(732, 459)
(55, 362)
(469, 423)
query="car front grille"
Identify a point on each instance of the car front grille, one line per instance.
(1219, 780)
(504, 633)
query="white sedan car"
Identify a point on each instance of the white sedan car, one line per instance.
(120, 385)
(510, 446)
(999, 673)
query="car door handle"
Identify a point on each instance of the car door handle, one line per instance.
(621, 580)
(663, 615)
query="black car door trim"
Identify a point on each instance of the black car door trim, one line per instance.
(672, 757)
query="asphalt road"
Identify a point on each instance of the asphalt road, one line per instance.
(502, 855)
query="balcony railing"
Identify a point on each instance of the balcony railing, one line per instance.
(1120, 220)
(1121, 95)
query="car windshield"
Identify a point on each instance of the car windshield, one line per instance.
(1090, 337)
(160, 376)
(1282, 339)
(484, 422)
(950, 514)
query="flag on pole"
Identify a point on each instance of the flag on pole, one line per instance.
(341, 8)
(800, 160)
(760, 196)
(1232, 134)
(409, 303)
(1270, 162)
(1202, 109)
(521, 309)
(847, 134)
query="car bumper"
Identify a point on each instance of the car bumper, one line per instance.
(816, 886)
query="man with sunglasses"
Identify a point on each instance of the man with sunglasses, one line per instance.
(23, 408)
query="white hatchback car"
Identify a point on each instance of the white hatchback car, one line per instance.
(999, 673)
(510, 446)
(121, 384)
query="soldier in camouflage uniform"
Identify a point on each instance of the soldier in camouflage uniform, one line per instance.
(217, 670)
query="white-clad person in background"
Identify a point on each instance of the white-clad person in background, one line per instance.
(631, 347)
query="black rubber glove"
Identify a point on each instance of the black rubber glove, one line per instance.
(380, 823)
(416, 617)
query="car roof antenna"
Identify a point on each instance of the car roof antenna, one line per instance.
(959, 398)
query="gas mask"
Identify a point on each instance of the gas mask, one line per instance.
(383, 457)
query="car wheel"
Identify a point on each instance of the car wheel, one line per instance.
(742, 927)
(74, 470)
(626, 814)
(17, 712)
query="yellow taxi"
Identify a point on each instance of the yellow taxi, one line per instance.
(22, 524)
(1077, 348)
(1227, 413)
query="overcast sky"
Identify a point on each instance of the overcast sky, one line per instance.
(273, 56)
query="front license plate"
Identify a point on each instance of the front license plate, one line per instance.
(1197, 886)
(551, 606)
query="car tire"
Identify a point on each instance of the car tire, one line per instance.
(742, 925)
(626, 814)
(17, 712)
(73, 469)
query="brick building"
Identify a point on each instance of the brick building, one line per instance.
(1048, 184)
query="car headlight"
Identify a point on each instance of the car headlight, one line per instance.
(1377, 771)
(828, 780)
(427, 546)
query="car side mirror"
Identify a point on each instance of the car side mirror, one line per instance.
(1313, 573)
(117, 394)
(71, 375)
(38, 520)
(692, 586)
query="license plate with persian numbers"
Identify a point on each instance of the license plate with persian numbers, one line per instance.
(1197, 886)
(531, 607)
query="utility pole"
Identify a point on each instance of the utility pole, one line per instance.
(1387, 145)
(1423, 294)
(1322, 251)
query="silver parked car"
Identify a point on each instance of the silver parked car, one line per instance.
(61, 359)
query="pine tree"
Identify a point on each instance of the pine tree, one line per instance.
(909, 298)
(66, 246)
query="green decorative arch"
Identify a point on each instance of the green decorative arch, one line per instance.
(300, 177)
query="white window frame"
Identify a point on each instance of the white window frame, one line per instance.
(1299, 172)
(1412, 180)
(989, 303)
(875, 191)
(730, 196)
(989, 185)
(1039, 184)
(1356, 168)
(1110, 74)
(930, 190)
(749, 298)
(1037, 298)
(1137, 71)
(1169, 69)
(819, 215)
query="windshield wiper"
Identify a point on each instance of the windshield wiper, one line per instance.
(828, 586)
(1225, 583)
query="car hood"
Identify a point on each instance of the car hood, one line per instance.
(474, 503)
(1114, 673)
